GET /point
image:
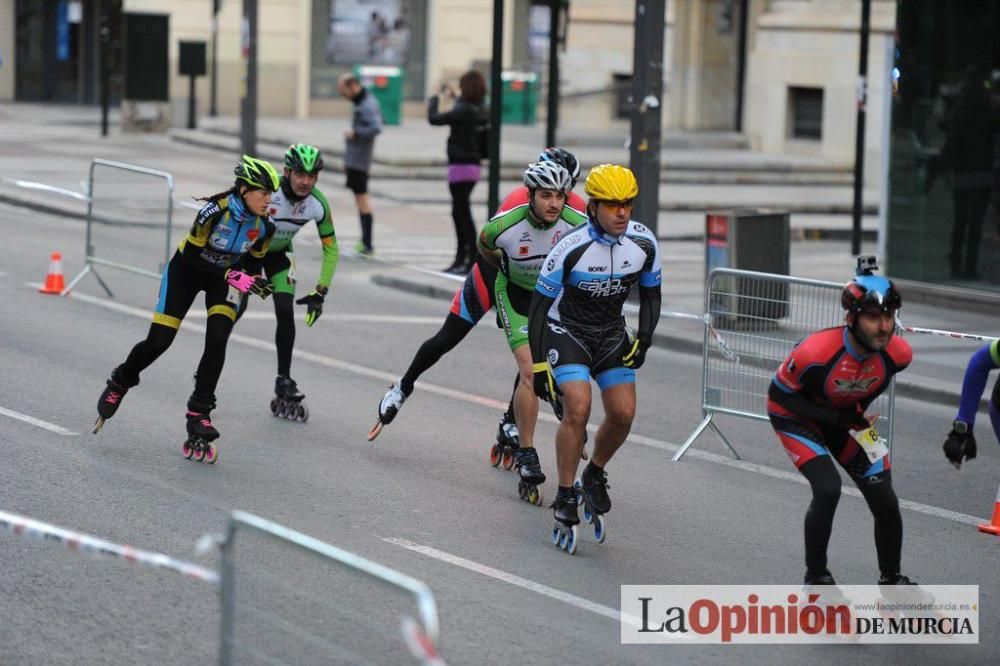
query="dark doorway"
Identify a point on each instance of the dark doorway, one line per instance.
(58, 49)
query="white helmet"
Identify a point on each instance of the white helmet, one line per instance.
(547, 175)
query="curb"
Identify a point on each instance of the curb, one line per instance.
(928, 390)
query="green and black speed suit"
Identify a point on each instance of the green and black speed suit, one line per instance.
(223, 235)
(289, 214)
(523, 243)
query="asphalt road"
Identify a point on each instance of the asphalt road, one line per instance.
(421, 499)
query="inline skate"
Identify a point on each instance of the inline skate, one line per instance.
(592, 491)
(508, 443)
(564, 532)
(287, 402)
(530, 472)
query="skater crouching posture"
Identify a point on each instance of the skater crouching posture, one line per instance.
(296, 202)
(819, 395)
(577, 332)
(231, 228)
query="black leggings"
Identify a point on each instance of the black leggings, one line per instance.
(450, 334)
(159, 339)
(284, 334)
(882, 502)
(461, 215)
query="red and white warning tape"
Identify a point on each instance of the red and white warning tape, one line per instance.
(88, 545)
(945, 334)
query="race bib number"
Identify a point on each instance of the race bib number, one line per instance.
(875, 447)
(234, 296)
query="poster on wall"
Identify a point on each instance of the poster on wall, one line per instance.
(368, 31)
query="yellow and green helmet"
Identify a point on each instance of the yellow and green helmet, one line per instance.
(256, 173)
(304, 158)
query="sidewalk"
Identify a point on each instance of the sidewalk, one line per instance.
(55, 145)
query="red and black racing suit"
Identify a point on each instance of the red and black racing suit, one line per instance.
(820, 393)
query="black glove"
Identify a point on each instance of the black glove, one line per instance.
(314, 306)
(261, 286)
(852, 419)
(636, 354)
(959, 446)
(545, 384)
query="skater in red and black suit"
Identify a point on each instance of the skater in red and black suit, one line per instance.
(819, 395)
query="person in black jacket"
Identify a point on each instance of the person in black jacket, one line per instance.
(467, 119)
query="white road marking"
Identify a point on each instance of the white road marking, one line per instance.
(31, 420)
(517, 581)
(258, 315)
(483, 401)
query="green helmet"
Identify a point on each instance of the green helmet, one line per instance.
(303, 157)
(256, 173)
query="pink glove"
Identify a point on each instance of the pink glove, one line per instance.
(255, 284)
(242, 281)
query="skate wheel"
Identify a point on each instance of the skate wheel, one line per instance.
(187, 450)
(535, 495)
(274, 406)
(571, 540)
(600, 533)
(282, 410)
(583, 452)
(376, 429)
(199, 453)
(211, 454)
(556, 534)
(522, 490)
(508, 459)
(303, 413)
(98, 424)
(495, 455)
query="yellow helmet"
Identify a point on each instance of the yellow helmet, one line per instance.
(611, 182)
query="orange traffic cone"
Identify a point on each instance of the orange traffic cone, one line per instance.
(993, 527)
(54, 283)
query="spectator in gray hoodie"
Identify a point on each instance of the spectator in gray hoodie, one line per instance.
(358, 146)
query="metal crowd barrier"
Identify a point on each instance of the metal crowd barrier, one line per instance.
(418, 638)
(761, 317)
(91, 257)
(318, 628)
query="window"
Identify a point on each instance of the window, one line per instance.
(622, 85)
(806, 111)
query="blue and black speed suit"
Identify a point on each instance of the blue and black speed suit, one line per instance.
(984, 361)
(575, 320)
(224, 235)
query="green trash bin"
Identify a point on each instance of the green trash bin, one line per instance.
(386, 83)
(520, 97)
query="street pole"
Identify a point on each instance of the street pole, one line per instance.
(646, 105)
(105, 72)
(248, 105)
(859, 143)
(496, 92)
(213, 109)
(552, 112)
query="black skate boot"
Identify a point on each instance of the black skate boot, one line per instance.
(530, 472)
(508, 442)
(112, 395)
(287, 402)
(592, 492)
(564, 509)
(593, 487)
(823, 584)
(201, 433)
(899, 590)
